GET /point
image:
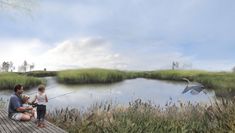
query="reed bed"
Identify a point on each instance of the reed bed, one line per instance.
(141, 117)
(93, 75)
(219, 81)
(41, 73)
(9, 80)
(212, 80)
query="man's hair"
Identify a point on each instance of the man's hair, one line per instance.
(17, 87)
(41, 87)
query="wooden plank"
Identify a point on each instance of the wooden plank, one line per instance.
(11, 126)
(23, 126)
(2, 130)
(58, 129)
(17, 124)
(52, 128)
(37, 129)
(14, 127)
(29, 128)
(26, 127)
(8, 128)
(3, 127)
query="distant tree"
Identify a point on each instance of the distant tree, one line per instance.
(175, 65)
(25, 64)
(23, 67)
(233, 69)
(6, 66)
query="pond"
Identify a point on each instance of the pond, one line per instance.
(159, 92)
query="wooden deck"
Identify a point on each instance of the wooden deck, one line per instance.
(10, 126)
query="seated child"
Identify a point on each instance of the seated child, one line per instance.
(26, 103)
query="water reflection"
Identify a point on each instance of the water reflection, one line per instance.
(83, 96)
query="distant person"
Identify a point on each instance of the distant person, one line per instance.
(16, 111)
(41, 101)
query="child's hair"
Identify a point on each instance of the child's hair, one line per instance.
(41, 88)
(25, 98)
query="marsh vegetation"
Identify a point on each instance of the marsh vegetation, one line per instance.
(146, 117)
(9, 80)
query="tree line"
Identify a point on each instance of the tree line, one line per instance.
(8, 66)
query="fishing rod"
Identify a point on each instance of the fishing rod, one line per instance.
(35, 104)
(61, 95)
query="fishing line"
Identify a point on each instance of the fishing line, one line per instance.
(61, 95)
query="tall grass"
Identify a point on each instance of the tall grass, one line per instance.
(147, 118)
(219, 81)
(212, 80)
(92, 75)
(40, 73)
(9, 80)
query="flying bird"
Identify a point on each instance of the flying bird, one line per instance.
(194, 88)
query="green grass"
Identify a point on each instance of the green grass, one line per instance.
(9, 80)
(92, 75)
(219, 81)
(222, 82)
(212, 80)
(40, 73)
(142, 117)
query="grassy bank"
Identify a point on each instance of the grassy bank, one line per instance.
(218, 81)
(9, 80)
(40, 73)
(90, 76)
(212, 80)
(144, 117)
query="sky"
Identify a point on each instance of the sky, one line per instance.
(121, 34)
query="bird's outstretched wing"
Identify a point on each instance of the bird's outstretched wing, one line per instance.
(193, 89)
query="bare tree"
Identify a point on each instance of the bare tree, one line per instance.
(25, 64)
(233, 69)
(6, 66)
(175, 65)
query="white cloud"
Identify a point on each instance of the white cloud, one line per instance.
(18, 50)
(83, 53)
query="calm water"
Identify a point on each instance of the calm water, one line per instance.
(83, 96)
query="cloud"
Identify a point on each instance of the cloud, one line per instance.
(18, 50)
(152, 56)
(82, 53)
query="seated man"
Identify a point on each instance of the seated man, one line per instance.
(16, 111)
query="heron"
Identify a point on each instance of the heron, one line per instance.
(194, 88)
